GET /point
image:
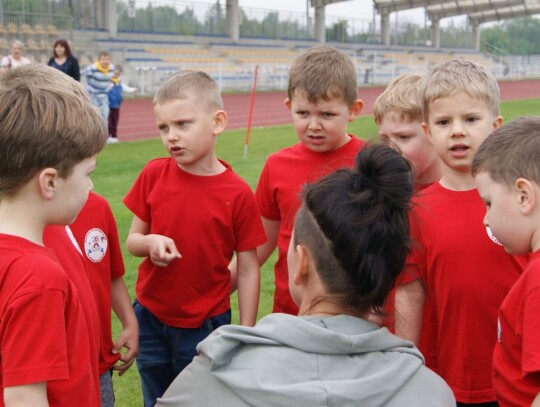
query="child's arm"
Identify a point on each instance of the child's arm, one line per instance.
(271, 228)
(160, 249)
(128, 89)
(34, 394)
(410, 298)
(129, 338)
(249, 280)
(536, 401)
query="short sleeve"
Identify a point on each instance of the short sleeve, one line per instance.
(248, 227)
(32, 351)
(265, 196)
(136, 199)
(531, 336)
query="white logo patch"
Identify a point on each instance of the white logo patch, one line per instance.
(492, 236)
(95, 245)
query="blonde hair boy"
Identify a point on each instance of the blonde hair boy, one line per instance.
(455, 254)
(185, 84)
(49, 137)
(461, 75)
(191, 213)
(398, 115)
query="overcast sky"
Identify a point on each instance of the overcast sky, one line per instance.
(351, 8)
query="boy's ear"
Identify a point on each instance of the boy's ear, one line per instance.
(356, 109)
(287, 103)
(220, 121)
(526, 195)
(47, 180)
(497, 122)
(302, 265)
(425, 129)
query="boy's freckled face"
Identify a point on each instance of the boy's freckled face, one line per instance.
(457, 126)
(186, 130)
(321, 126)
(409, 139)
(503, 214)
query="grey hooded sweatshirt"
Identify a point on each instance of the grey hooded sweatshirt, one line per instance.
(307, 361)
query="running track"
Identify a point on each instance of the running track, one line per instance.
(137, 118)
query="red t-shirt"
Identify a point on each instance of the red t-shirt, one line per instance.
(278, 195)
(96, 233)
(467, 274)
(390, 305)
(209, 218)
(516, 359)
(43, 332)
(69, 255)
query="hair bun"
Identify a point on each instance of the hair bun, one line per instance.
(385, 173)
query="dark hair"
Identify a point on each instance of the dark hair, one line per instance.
(354, 222)
(63, 43)
(511, 152)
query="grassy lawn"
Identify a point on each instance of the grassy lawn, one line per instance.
(119, 165)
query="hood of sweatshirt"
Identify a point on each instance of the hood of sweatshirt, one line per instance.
(317, 361)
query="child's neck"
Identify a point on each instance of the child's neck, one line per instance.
(457, 180)
(204, 167)
(18, 218)
(431, 174)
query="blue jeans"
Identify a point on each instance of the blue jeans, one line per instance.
(107, 391)
(101, 101)
(164, 351)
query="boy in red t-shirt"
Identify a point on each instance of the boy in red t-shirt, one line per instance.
(507, 173)
(96, 233)
(49, 137)
(398, 115)
(191, 213)
(322, 96)
(463, 272)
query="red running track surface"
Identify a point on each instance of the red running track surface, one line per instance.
(137, 117)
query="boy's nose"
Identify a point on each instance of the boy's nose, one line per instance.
(457, 128)
(173, 135)
(313, 123)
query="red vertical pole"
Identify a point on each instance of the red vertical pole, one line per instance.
(251, 105)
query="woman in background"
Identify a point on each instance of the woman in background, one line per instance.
(15, 58)
(64, 60)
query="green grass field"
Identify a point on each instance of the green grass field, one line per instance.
(119, 165)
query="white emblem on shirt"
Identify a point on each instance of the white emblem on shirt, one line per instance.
(95, 245)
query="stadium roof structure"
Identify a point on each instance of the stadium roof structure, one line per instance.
(477, 11)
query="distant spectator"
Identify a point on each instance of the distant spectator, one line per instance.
(64, 60)
(98, 79)
(116, 90)
(15, 58)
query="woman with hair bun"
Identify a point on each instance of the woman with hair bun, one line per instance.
(64, 60)
(350, 242)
